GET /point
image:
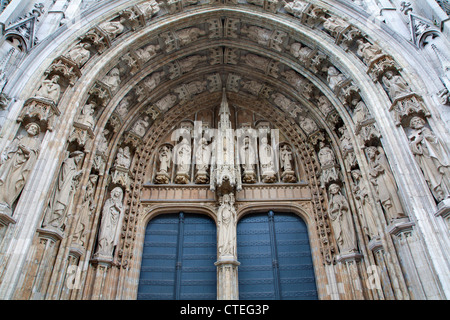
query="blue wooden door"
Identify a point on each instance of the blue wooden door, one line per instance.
(178, 259)
(275, 257)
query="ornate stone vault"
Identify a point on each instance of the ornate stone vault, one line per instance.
(351, 111)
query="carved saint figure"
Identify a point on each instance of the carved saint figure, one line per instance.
(123, 157)
(334, 77)
(19, 159)
(432, 158)
(165, 157)
(145, 54)
(50, 89)
(64, 189)
(226, 222)
(247, 157)
(111, 213)
(266, 159)
(80, 54)
(183, 153)
(326, 155)
(365, 208)
(395, 85)
(86, 211)
(203, 156)
(384, 184)
(149, 8)
(140, 126)
(86, 116)
(188, 35)
(286, 158)
(112, 79)
(295, 7)
(112, 28)
(341, 220)
(367, 51)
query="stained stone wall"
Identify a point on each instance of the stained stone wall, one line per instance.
(93, 93)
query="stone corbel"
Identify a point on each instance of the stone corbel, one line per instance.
(65, 68)
(39, 110)
(406, 106)
(379, 65)
(81, 134)
(98, 38)
(121, 176)
(100, 93)
(132, 17)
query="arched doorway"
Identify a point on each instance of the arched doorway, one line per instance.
(275, 257)
(178, 258)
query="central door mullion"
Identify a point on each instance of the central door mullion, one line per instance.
(274, 253)
(179, 257)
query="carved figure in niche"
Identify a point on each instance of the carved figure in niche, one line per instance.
(308, 125)
(88, 207)
(16, 164)
(384, 184)
(395, 85)
(360, 114)
(266, 159)
(149, 8)
(202, 161)
(167, 102)
(165, 158)
(334, 25)
(112, 79)
(183, 160)
(295, 7)
(248, 160)
(102, 144)
(62, 195)
(112, 28)
(50, 89)
(191, 62)
(326, 155)
(256, 61)
(341, 220)
(286, 159)
(140, 127)
(325, 105)
(122, 108)
(367, 51)
(300, 52)
(432, 158)
(123, 157)
(80, 54)
(257, 34)
(189, 35)
(364, 204)
(226, 226)
(346, 140)
(86, 116)
(145, 54)
(111, 213)
(334, 77)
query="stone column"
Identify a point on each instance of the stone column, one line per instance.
(350, 263)
(227, 278)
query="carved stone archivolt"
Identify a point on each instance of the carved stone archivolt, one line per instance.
(206, 111)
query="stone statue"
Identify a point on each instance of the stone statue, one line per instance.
(112, 79)
(64, 190)
(364, 204)
(123, 157)
(88, 207)
(202, 161)
(79, 54)
(122, 108)
(334, 25)
(384, 184)
(102, 143)
(286, 159)
(295, 7)
(111, 213)
(326, 155)
(145, 54)
(367, 51)
(19, 159)
(183, 155)
(395, 85)
(248, 160)
(226, 226)
(149, 8)
(50, 89)
(86, 116)
(140, 127)
(301, 52)
(257, 34)
(334, 77)
(341, 220)
(266, 159)
(165, 157)
(112, 28)
(188, 35)
(432, 158)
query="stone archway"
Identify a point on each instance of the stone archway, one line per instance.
(326, 82)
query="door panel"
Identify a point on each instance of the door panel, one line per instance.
(275, 258)
(178, 258)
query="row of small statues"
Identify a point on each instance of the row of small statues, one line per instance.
(181, 157)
